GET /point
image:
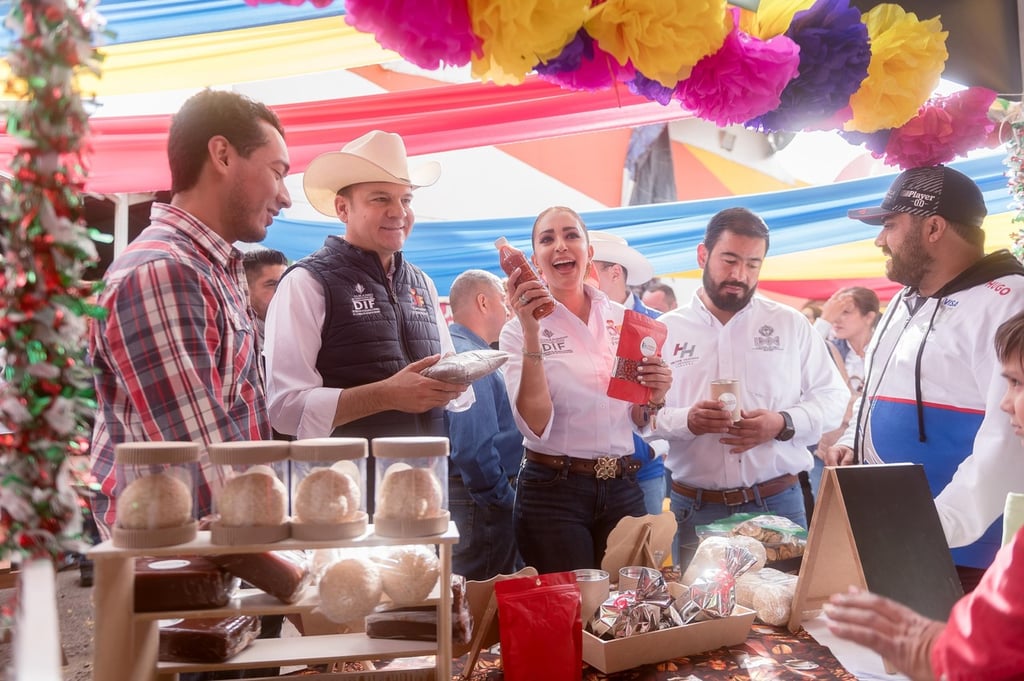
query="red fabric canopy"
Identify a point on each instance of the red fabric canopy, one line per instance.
(129, 153)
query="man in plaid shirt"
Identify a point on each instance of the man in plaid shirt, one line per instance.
(177, 355)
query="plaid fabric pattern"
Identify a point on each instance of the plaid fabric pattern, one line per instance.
(177, 355)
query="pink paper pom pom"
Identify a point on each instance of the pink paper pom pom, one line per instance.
(744, 79)
(427, 33)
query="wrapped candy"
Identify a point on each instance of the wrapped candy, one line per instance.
(713, 594)
(648, 608)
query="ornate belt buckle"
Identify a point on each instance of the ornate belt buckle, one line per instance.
(605, 467)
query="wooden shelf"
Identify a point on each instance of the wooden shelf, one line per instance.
(127, 642)
(310, 650)
(202, 545)
(257, 602)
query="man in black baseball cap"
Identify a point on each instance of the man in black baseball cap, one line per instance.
(938, 190)
(932, 376)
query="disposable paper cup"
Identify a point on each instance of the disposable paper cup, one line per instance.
(630, 575)
(594, 588)
(727, 391)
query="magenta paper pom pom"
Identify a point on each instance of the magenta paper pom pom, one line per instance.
(582, 65)
(744, 79)
(427, 33)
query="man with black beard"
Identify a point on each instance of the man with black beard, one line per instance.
(933, 383)
(789, 390)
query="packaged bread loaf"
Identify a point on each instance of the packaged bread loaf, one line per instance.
(181, 583)
(207, 640)
(282, 574)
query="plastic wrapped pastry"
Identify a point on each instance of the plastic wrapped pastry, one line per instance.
(282, 574)
(769, 592)
(181, 583)
(466, 367)
(207, 640)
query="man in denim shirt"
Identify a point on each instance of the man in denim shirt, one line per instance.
(486, 446)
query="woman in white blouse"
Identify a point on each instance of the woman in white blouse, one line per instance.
(577, 480)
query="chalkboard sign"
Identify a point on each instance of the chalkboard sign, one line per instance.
(876, 527)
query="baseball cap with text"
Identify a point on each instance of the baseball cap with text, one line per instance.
(938, 190)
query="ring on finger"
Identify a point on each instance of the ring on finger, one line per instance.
(523, 300)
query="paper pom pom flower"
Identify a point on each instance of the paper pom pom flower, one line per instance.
(907, 57)
(772, 17)
(943, 129)
(427, 33)
(663, 40)
(742, 80)
(834, 57)
(651, 89)
(517, 34)
(582, 65)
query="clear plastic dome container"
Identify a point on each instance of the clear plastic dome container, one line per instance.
(156, 490)
(329, 488)
(252, 505)
(411, 477)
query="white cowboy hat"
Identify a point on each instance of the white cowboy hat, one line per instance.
(375, 157)
(610, 247)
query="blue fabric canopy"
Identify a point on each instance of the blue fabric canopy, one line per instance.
(140, 20)
(667, 233)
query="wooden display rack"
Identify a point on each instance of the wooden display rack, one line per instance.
(127, 642)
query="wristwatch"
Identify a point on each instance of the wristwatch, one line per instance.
(787, 432)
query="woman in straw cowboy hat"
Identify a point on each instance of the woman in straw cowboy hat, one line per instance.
(578, 478)
(353, 324)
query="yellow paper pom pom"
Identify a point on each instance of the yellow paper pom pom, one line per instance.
(663, 39)
(772, 18)
(517, 34)
(907, 58)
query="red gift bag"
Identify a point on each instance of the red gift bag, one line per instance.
(540, 628)
(640, 337)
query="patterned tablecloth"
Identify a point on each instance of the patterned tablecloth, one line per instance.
(769, 654)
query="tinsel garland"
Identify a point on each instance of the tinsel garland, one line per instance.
(47, 398)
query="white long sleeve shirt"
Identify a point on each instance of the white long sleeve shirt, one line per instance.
(782, 365)
(578, 362)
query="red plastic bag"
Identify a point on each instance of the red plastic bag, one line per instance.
(540, 627)
(641, 336)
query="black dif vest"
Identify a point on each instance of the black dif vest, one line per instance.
(371, 330)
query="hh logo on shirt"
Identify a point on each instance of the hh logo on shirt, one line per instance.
(767, 340)
(363, 303)
(684, 354)
(552, 345)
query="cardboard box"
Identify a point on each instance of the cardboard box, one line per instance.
(665, 644)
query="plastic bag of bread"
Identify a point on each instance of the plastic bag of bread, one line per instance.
(782, 538)
(712, 552)
(769, 593)
(466, 367)
(408, 573)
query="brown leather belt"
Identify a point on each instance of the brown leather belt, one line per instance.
(738, 495)
(603, 467)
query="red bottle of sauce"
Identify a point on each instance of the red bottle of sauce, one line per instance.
(512, 258)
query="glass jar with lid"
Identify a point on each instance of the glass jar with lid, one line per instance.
(411, 476)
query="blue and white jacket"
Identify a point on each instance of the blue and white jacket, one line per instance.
(932, 394)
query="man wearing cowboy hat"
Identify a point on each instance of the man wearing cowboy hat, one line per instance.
(352, 325)
(619, 266)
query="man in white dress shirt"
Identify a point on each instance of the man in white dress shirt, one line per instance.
(789, 389)
(353, 324)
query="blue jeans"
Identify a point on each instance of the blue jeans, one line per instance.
(654, 494)
(562, 520)
(690, 513)
(487, 543)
